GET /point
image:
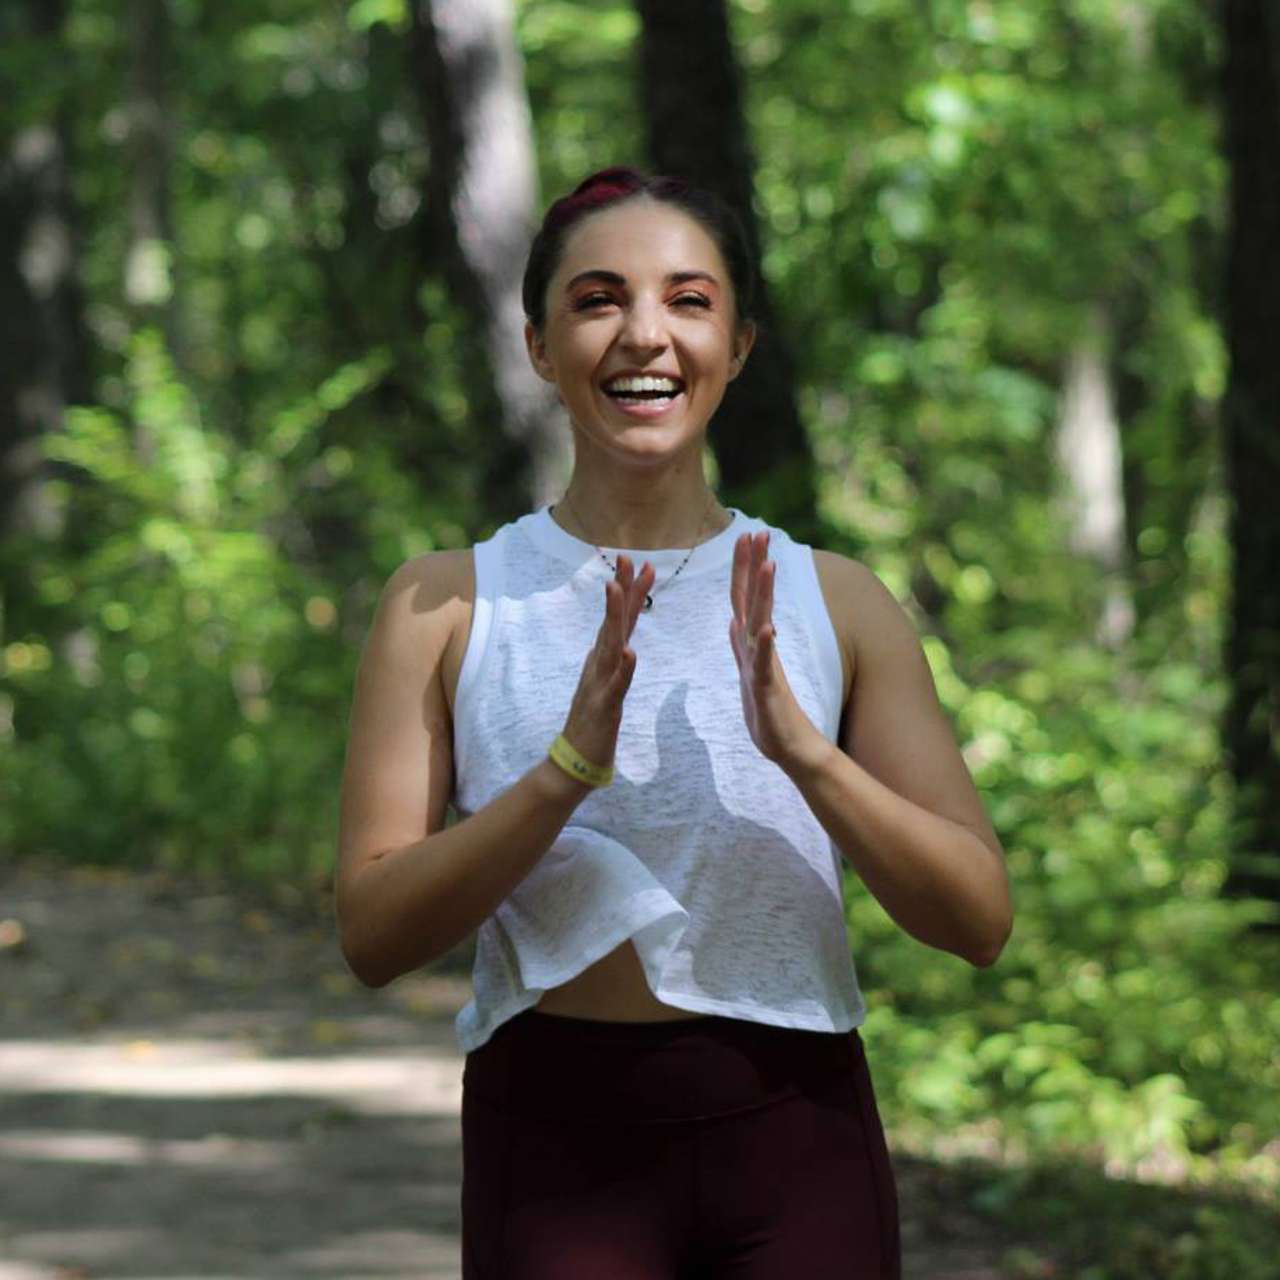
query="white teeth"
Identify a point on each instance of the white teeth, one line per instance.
(670, 385)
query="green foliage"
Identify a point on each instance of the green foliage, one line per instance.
(186, 721)
(950, 192)
(1103, 1228)
(945, 212)
(175, 686)
(579, 78)
(1130, 1017)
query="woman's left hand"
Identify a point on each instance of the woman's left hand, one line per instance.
(775, 720)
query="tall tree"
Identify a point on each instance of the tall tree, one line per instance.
(148, 285)
(693, 105)
(149, 258)
(1089, 459)
(1251, 88)
(42, 351)
(480, 208)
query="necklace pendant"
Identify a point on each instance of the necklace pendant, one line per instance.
(648, 603)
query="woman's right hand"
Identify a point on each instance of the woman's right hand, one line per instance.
(595, 715)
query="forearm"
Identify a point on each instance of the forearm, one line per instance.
(408, 906)
(936, 878)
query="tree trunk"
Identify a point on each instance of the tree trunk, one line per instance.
(1090, 462)
(479, 217)
(149, 257)
(1251, 89)
(697, 130)
(148, 284)
(42, 345)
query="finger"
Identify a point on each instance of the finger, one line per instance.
(625, 576)
(643, 585)
(618, 634)
(764, 656)
(762, 605)
(742, 647)
(738, 581)
(631, 605)
(763, 569)
(624, 573)
(626, 669)
(607, 641)
(752, 571)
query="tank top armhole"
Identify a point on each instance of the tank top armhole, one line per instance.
(826, 642)
(487, 559)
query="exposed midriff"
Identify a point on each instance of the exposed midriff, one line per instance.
(613, 989)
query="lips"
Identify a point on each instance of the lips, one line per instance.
(645, 399)
(643, 388)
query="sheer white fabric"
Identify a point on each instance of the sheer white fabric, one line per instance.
(702, 852)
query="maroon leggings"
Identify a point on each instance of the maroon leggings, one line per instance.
(709, 1148)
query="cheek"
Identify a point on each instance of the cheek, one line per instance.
(716, 351)
(580, 345)
(565, 356)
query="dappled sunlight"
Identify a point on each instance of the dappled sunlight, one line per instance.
(193, 1089)
(97, 1147)
(200, 1158)
(374, 1084)
(1016, 264)
(106, 1247)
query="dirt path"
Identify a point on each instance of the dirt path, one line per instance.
(192, 1086)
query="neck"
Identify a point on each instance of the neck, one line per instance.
(643, 513)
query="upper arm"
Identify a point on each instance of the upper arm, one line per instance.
(894, 725)
(398, 774)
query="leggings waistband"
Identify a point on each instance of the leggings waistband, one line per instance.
(579, 1070)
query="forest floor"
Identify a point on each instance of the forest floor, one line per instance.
(193, 1085)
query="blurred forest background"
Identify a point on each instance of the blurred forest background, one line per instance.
(261, 343)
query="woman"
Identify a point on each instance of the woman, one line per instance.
(658, 737)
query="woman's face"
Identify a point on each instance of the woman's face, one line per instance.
(641, 292)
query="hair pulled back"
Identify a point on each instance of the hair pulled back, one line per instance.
(613, 186)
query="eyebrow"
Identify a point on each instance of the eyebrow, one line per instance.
(612, 277)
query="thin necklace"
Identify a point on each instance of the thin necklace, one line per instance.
(648, 600)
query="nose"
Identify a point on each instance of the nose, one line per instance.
(642, 328)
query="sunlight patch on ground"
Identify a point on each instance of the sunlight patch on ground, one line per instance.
(381, 1084)
(96, 1147)
(409, 1253)
(103, 1246)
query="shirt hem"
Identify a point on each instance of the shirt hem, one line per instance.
(755, 1013)
(850, 1021)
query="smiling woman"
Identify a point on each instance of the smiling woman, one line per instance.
(658, 896)
(639, 321)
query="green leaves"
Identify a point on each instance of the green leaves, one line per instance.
(948, 191)
(365, 13)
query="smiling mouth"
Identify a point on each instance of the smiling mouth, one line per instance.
(643, 390)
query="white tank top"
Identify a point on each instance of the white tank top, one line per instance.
(702, 852)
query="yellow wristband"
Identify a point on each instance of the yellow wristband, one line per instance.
(594, 775)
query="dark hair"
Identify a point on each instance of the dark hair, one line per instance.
(613, 186)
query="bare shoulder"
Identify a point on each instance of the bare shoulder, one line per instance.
(424, 614)
(863, 610)
(428, 594)
(398, 772)
(425, 583)
(895, 725)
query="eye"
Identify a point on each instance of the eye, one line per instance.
(589, 301)
(693, 300)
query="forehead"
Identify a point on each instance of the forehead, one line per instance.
(641, 237)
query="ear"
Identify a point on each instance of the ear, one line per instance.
(536, 346)
(743, 341)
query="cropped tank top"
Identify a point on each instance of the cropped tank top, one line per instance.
(702, 852)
